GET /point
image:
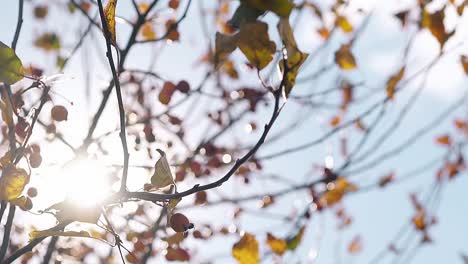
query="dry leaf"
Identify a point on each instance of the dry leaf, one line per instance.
(245, 251)
(278, 246)
(344, 58)
(109, 12)
(162, 176)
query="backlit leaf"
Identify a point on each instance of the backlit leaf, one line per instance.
(109, 12)
(11, 68)
(162, 175)
(295, 58)
(245, 251)
(48, 42)
(393, 81)
(70, 211)
(147, 31)
(444, 140)
(295, 240)
(255, 43)
(47, 233)
(278, 246)
(435, 23)
(343, 23)
(344, 58)
(355, 246)
(7, 112)
(12, 182)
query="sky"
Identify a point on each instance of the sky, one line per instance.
(377, 214)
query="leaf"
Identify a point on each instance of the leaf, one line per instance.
(295, 58)
(355, 246)
(435, 23)
(12, 182)
(177, 254)
(464, 62)
(11, 68)
(280, 7)
(147, 31)
(255, 43)
(25, 203)
(244, 14)
(48, 42)
(109, 12)
(344, 58)
(70, 211)
(344, 24)
(224, 45)
(246, 251)
(444, 140)
(336, 191)
(162, 175)
(47, 233)
(7, 112)
(386, 179)
(278, 246)
(393, 81)
(295, 240)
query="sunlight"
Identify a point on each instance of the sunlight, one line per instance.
(83, 181)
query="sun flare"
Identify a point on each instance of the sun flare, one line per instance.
(84, 182)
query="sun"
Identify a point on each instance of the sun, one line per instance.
(84, 182)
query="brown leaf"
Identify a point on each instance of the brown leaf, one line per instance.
(344, 58)
(393, 81)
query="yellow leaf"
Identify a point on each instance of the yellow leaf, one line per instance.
(344, 24)
(355, 246)
(12, 182)
(255, 43)
(280, 7)
(393, 81)
(23, 202)
(295, 58)
(7, 112)
(336, 191)
(344, 58)
(11, 68)
(162, 175)
(278, 246)
(109, 12)
(147, 31)
(47, 233)
(294, 241)
(245, 251)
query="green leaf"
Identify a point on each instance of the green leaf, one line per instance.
(11, 68)
(255, 43)
(162, 176)
(295, 58)
(294, 241)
